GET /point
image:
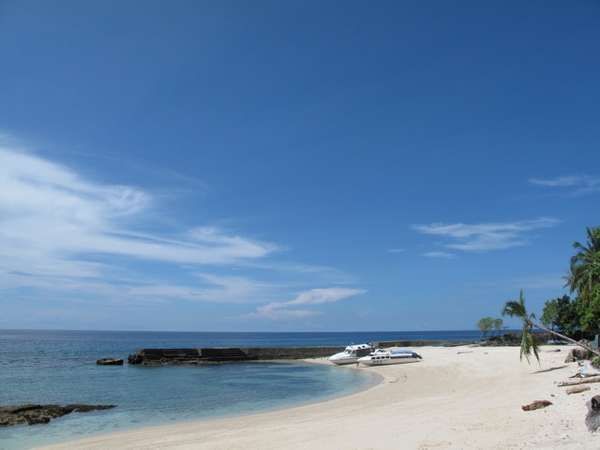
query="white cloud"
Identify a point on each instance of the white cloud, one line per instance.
(211, 288)
(445, 255)
(56, 223)
(577, 184)
(486, 236)
(296, 308)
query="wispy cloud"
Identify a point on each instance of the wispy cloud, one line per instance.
(443, 255)
(296, 308)
(54, 223)
(573, 184)
(210, 288)
(482, 237)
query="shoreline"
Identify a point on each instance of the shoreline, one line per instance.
(458, 397)
(374, 380)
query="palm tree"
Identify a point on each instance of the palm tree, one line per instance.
(517, 308)
(585, 265)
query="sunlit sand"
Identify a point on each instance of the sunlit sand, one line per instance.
(457, 397)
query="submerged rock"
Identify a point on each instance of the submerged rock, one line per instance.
(34, 414)
(109, 362)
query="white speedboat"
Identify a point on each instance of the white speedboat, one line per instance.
(390, 356)
(351, 354)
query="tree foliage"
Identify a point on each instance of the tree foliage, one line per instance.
(517, 308)
(485, 325)
(584, 274)
(561, 314)
(588, 311)
(584, 280)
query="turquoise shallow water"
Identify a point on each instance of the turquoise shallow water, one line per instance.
(59, 367)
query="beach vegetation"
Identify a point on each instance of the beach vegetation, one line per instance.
(584, 280)
(485, 325)
(561, 314)
(584, 274)
(488, 324)
(578, 316)
(529, 344)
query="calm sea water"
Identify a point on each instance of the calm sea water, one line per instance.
(59, 367)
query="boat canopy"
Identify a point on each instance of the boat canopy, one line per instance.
(351, 348)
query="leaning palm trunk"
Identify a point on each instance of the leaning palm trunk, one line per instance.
(566, 338)
(517, 308)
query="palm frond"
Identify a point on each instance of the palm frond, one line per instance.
(516, 308)
(529, 344)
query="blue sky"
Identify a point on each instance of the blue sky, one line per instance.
(292, 165)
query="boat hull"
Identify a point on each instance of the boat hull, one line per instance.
(387, 362)
(344, 361)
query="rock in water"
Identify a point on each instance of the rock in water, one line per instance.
(592, 419)
(538, 404)
(34, 414)
(109, 362)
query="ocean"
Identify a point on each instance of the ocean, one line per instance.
(59, 367)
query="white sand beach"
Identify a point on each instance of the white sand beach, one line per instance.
(456, 398)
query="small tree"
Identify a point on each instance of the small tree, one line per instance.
(550, 314)
(485, 325)
(561, 314)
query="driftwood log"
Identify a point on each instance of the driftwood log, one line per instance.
(538, 404)
(578, 382)
(577, 389)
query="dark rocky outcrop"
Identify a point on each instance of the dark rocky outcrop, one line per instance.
(507, 339)
(578, 354)
(109, 362)
(592, 418)
(35, 414)
(514, 339)
(172, 356)
(421, 343)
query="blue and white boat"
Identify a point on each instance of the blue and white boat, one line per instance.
(393, 355)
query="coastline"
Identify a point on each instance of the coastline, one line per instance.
(367, 382)
(458, 397)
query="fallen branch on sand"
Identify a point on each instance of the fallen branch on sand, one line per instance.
(538, 404)
(577, 389)
(550, 369)
(575, 383)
